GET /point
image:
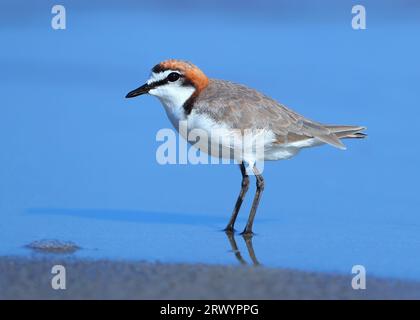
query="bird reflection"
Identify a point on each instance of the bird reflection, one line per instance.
(234, 247)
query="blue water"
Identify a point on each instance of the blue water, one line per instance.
(77, 160)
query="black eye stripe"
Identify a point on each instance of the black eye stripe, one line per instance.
(162, 82)
(158, 83)
(187, 83)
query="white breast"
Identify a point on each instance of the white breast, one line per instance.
(173, 98)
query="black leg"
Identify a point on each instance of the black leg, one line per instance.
(257, 197)
(244, 189)
(234, 247)
(250, 247)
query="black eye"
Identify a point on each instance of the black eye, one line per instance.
(173, 76)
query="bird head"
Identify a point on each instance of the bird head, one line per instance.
(173, 82)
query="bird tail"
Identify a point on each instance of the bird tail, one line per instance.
(347, 132)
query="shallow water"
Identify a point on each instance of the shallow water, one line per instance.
(77, 160)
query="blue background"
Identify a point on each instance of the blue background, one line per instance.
(77, 160)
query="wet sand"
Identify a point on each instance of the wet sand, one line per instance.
(25, 278)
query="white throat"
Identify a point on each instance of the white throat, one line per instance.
(173, 97)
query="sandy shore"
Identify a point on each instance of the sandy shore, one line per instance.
(23, 278)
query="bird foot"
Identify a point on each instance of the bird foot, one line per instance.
(229, 230)
(247, 234)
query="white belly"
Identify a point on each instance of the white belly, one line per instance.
(221, 141)
(286, 151)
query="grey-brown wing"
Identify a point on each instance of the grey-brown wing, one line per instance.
(245, 108)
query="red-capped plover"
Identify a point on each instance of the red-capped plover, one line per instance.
(189, 97)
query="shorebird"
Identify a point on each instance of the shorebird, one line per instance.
(190, 97)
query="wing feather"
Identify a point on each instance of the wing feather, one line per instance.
(245, 108)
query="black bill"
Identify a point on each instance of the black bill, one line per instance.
(139, 91)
